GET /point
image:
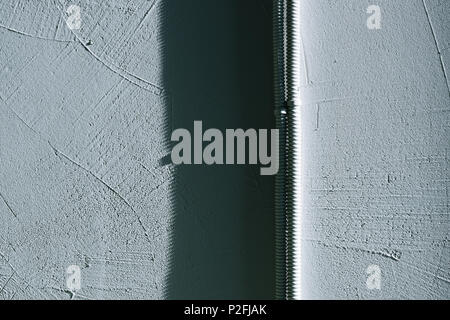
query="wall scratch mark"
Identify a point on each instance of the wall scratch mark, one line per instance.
(32, 36)
(392, 254)
(145, 15)
(305, 61)
(130, 77)
(317, 117)
(437, 45)
(60, 155)
(6, 283)
(7, 205)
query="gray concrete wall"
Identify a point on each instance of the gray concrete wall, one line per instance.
(83, 120)
(85, 177)
(376, 141)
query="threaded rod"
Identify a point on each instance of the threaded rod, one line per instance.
(286, 65)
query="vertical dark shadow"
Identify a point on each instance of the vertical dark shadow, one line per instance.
(218, 69)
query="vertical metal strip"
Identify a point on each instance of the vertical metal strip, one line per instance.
(286, 90)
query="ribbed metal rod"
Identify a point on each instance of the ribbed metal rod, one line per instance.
(286, 87)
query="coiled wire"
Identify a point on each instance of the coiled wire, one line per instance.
(286, 94)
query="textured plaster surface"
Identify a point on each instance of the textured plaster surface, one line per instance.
(85, 177)
(376, 149)
(82, 132)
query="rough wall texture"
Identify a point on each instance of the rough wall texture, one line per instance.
(84, 174)
(82, 131)
(84, 177)
(376, 148)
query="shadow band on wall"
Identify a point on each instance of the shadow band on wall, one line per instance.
(218, 69)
